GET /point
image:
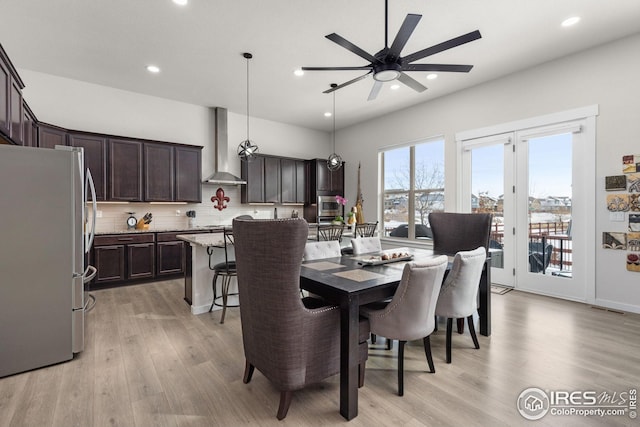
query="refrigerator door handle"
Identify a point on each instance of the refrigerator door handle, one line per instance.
(89, 274)
(89, 183)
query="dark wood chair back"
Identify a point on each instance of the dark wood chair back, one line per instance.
(455, 232)
(330, 232)
(367, 229)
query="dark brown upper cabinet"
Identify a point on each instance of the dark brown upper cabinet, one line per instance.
(11, 114)
(188, 174)
(323, 181)
(159, 172)
(49, 136)
(16, 116)
(30, 127)
(253, 172)
(172, 173)
(272, 179)
(95, 159)
(5, 81)
(125, 170)
(292, 180)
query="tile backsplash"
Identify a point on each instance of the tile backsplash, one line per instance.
(166, 217)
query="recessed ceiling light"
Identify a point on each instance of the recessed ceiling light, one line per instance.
(298, 72)
(153, 69)
(432, 76)
(181, 2)
(327, 114)
(394, 87)
(570, 21)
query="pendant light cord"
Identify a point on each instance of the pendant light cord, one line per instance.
(334, 121)
(248, 57)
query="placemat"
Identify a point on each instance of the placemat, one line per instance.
(323, 265)
(358, 275)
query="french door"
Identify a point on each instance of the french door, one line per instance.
(488, 171)
(539, 183)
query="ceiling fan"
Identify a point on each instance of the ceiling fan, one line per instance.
(387, 65)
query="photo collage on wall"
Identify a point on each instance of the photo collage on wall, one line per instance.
(625, 202)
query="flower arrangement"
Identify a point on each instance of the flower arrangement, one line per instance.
(341, 200)
(338, 219)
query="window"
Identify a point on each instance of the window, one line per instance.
(413, 181)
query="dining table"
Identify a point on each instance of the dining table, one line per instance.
(352, 281)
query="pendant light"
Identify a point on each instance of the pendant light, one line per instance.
(334, 162)
(247, 149)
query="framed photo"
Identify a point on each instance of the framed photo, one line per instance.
(616, 182)
(634, 223)
(633, 241)
(618, 202)
(630, 163)
(634, 182)
(613, 240)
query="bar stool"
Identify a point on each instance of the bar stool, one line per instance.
(227, 270)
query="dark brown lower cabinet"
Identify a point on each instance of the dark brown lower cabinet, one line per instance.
(109, 262)
(130, 257)
(170, 256)
(123, 257)
(141, 261)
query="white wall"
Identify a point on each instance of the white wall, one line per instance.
(78, 105)
(606, 75)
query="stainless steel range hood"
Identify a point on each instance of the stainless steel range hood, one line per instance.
(221, 176)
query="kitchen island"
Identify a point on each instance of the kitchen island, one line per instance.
(198, 275)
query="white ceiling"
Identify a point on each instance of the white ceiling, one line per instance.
(199, 47)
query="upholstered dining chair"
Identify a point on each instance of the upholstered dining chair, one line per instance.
(453, 232)
(322, 249)
(226, 270)
(363, 245)
(292, 341)
(459, 294)
(410, 313)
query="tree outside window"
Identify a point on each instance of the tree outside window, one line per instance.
(413, 179)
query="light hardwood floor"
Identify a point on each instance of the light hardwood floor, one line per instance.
(149, 362)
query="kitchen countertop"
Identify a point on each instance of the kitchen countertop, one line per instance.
(205, 228)
(203, 240)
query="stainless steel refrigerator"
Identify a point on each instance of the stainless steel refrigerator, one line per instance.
(44, 240)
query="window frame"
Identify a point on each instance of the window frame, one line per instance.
(411, 192)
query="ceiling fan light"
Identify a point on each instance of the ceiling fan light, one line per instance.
(386, 75)
(571, 21)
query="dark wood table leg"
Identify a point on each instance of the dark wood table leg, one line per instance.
(485, 300)
(349, 322)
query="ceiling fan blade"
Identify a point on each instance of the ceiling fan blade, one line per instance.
(357, 79)
(409, 24)
(374, 90)
(457, 41)
(366, 67)
(352, 47)
(438, 67)
(411, 82)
